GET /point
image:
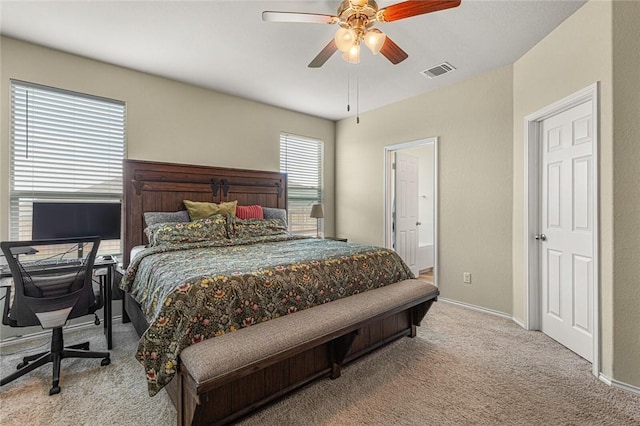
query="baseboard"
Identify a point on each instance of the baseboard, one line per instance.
(475, 308)
(604, 379)
(33, 336)
(619, 385)
(519, 322)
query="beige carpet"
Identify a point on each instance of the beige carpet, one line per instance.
(464, 368)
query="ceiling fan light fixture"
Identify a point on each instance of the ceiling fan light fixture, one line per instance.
(352, 55)
(356, 19)
(345, 39)
(374, 39)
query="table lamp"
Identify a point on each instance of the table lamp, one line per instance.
(318, 213)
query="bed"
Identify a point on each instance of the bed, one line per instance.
(245, 279)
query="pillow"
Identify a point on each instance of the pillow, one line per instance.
(207, 229)
(249, 212)
(247, 228)
(151, 218)
(199, 210)
(271, 213)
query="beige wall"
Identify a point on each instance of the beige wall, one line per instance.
(626, 192)
(473, 121)
(166, 120)
(594, 45)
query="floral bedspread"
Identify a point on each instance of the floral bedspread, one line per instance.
(195, 291)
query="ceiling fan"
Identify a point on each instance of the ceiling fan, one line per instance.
(356, 19)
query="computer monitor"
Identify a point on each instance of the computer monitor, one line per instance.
(77, 219)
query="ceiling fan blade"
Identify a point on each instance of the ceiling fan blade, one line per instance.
(393, 52)
(308, 18)
(411, 8)
(324, 55)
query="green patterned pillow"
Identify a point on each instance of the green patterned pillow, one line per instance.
(209, 229)
(198, 210)
(247, 228)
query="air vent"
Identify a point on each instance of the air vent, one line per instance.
(438, 70)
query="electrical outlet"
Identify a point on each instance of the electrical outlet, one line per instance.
(466, 277)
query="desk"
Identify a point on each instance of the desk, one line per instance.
(104, 271)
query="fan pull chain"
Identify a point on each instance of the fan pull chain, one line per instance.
(358, 97)
(348, 91)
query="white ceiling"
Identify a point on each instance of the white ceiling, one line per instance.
(225, 46)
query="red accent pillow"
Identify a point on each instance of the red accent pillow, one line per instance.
(249, 212)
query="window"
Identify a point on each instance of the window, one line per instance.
(301, 159)
(65, 146)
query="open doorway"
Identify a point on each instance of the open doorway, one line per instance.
(411, 204)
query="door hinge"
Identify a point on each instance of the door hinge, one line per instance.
(393, 166)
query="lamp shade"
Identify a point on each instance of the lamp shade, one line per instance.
(316, 211)
(345, 38)
(374, 39)
(352, 55)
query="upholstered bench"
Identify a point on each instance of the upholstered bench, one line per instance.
(223, 378)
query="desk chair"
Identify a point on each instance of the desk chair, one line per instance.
(48, 293)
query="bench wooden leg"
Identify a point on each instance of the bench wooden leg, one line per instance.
(339, 349)
(417, 314)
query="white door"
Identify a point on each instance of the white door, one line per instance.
(566, 239)
(406, 214)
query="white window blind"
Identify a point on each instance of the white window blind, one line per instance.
(65, 146)
(301, 159)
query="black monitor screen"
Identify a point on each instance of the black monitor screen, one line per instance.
(67, 220)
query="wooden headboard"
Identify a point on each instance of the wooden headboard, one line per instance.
(161, 187)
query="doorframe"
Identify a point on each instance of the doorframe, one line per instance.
(388, 151)
(532, 153)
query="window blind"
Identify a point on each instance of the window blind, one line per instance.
(65, 146)
(301, 158)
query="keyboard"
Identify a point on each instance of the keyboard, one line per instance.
(45, 264)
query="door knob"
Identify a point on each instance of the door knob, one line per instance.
(418, 223)
(541, 237)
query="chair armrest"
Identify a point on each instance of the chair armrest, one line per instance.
(7, 306)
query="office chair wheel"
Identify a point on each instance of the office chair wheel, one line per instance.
(105, 361)
(54, 390)
(22, 365)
